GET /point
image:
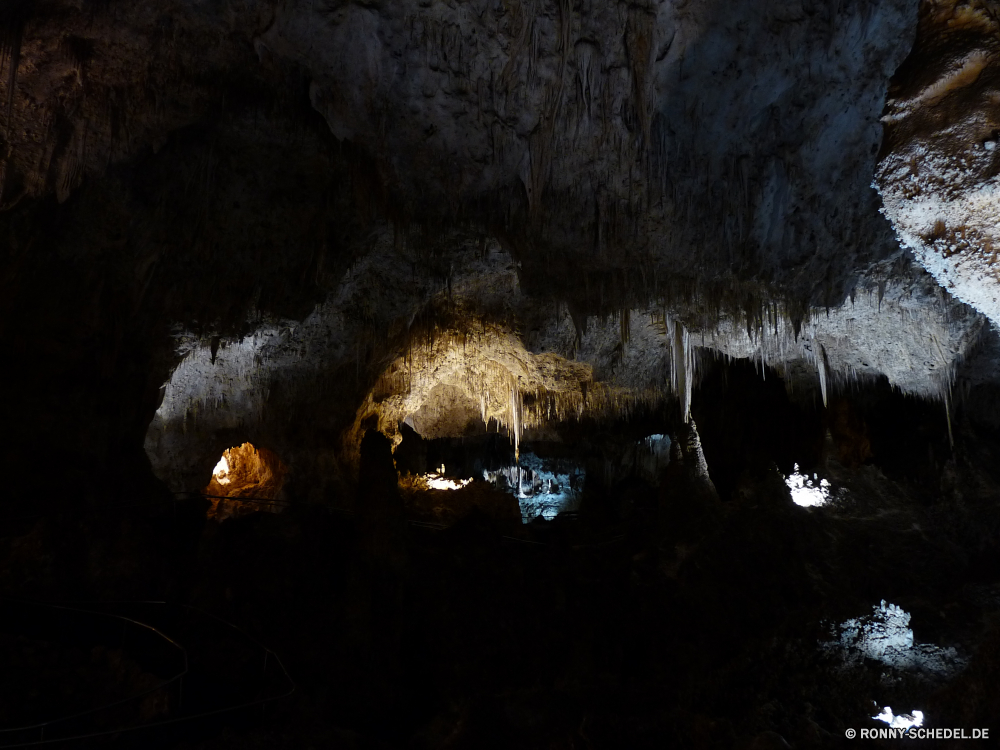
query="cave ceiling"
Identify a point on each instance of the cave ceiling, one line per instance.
(531, 210)
(450, 343)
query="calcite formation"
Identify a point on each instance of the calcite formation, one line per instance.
(939, 174)
(361, 259)
(650, 184)
(490, 356)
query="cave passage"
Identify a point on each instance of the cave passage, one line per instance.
(250, 476)
(609, 374)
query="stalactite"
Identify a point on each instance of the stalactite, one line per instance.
(681, 373)
(13, 18)
(821, 368)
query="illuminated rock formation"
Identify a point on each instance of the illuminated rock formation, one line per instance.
(939, 171)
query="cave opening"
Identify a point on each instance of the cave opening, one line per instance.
(245, 479)
(554, 472)
(604, 370)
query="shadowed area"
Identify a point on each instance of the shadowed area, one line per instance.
(535, 374)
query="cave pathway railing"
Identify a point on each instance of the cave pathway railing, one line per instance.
(88, 724)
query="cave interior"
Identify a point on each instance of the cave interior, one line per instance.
(524, 374)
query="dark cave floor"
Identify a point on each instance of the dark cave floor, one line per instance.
(656, 617)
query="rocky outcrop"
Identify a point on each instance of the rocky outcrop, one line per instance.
(939, 174)
(590, 137)
(712, 143)
(642, 180)
(455, 356)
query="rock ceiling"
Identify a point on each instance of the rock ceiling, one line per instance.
(521, 209)
(270, 227)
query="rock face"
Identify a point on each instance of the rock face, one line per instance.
(488, 354)
(244, 472)
(530, 242)
(592, 137)
(940, 170)
(459, 214)
(702, 167)
(713, 142)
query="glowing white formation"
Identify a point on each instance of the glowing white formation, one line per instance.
(543, 487)
(220, 471)
(438, 482)
(809, 493)
(821, 366)
(902, 721)
(682, 369)
(885, 636)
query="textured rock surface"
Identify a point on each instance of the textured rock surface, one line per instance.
(293, 223)
(493, 354)
(940, 173)
(591, 137)
(657, 162)
(714, 146)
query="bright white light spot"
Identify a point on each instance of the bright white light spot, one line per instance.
(885, 636)
(543, 487)
(903, 721)
(809, 493)
(438, 482)
(220, 471)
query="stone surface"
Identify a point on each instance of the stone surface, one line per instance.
(590, 223)
(939, 172)
(600, 137)
(488, 353)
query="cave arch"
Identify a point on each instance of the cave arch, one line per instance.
(245, 479)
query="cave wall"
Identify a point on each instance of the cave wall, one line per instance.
(939, 166)
(291, 223)
(606, 138)
(252, 235)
